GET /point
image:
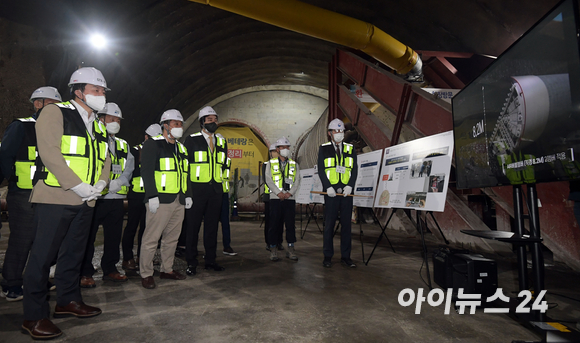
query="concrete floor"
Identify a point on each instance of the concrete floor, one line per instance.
(256, 300)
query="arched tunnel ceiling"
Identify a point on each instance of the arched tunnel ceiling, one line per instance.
(180, 54)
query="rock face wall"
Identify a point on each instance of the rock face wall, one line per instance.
(21, 70)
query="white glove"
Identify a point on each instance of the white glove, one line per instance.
(114, 186)
(83, 190)
(347, 190)
(153, 204)
(331, 192)
(100, 185)
(188, 203)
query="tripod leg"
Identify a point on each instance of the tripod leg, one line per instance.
(361, 234)
(425, 252)
(381, 235)
(436, 223)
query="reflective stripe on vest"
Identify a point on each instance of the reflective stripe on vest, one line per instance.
(226, 176)
(83, 154)
(278, 175)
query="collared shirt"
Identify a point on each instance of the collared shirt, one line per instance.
(208, 137)
(88, 118)
(112, 145)
(339, 146)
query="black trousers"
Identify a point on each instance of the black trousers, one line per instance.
(61, 230)
(225, 220)
(206, 207)
(109, 213)
(332, 207)
(266, 220)
(22, 231)
(282, 213)
(135, 219)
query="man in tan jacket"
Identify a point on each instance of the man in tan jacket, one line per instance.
(72, 169)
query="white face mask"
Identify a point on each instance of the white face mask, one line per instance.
(177, 132)
(338, 137)
(284, 152)
(97, 103)
(113, 127)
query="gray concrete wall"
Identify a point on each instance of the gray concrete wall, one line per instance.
(274, 113)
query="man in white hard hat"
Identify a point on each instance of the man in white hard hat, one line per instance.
(207, 160)
(136, 210)
(164, 169)
(337, 169)
(110, 210)
(17, 159)
(273, 155)
(72, 170)
(283, 180)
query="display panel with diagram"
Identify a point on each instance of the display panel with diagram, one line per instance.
(518, 122)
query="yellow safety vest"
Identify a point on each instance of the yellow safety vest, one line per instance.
(331, 161)
(278, 175)
(205, 164)
(121, 149)
(83, 154)
(171, 171)
(137, 180)
(24, 166)
(266, 188)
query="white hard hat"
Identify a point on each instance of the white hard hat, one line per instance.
(111, 109)
(207, 111)
(88, 75)
(46, 93)
(282, 141)
(336, 124)
(272, 147)
(154, 130)
(171, 115)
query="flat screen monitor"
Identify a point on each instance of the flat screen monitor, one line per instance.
(519, 121)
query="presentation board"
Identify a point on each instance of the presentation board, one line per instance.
(369, 166)
(415, 175)
(309, 181)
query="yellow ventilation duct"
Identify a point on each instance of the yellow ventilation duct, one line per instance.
(327, 25)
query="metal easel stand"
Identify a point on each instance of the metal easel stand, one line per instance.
(383, 228)
(310, 215)
(425, 252)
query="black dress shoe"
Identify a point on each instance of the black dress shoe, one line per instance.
(348, 262)
(215, 267)
(41, 329)
(191, 270)
(327, 263)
